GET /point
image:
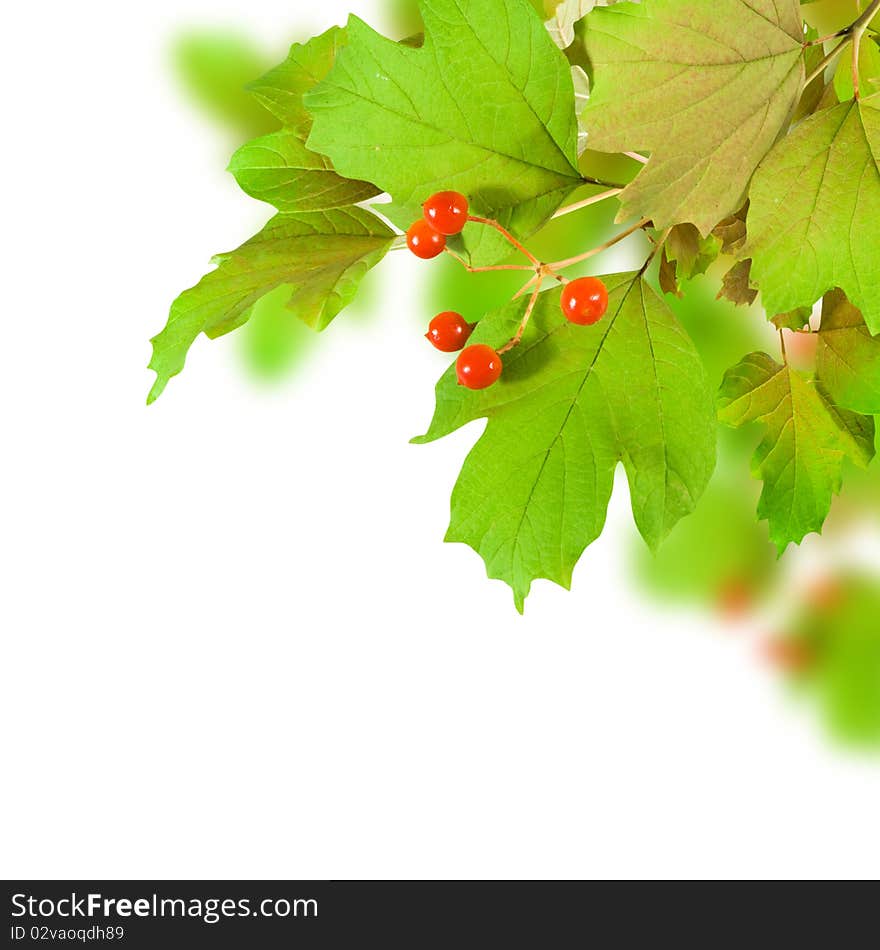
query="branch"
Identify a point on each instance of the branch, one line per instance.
(829, 57)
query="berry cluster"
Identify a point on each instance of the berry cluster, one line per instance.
(445, 214)
(583, 301)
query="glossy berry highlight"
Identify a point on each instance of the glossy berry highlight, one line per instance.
(478, 366)
(449, 331)
(584, 301)
(424, 241)
(446, 211)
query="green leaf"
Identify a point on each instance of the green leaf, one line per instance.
(704, 87)
(793, 320)
(691, 252)
(279, 169)
(814, 212)
(869, 70)
(847, 356)
(215, 67)
(320, 256)
(485, 107)
(807, 437)
(282, 89)
(571, 404)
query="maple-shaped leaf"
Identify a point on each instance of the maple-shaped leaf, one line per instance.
(807, 437)
(485, 107)
(847, 356)
(282, 89)
(814, 213)
(704, 87)
(320, 256)
(279, 169)
(572, 403)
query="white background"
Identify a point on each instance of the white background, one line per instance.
(233, 642)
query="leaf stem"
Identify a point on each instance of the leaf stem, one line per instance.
(637, 156)
(478, 270)
(490, 222)
(658, 245)
(861, 23)
(593, 199)
(782, 344)
(858, 31)
(588, 180)
(559, 265)
(828, 58)
(854, 33)
(530, 306)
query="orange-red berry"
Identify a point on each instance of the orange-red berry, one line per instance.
(584, 300)
(423, 240)
(449, 331)
(478, 366)
(446, 211)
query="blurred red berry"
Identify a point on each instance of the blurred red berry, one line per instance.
(791, 654)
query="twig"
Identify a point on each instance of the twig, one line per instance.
(828, 58)
(588, 180)
(477, 270)
(530, 306)
(490, 222)
(858, 31)
(559, 265)
(636, 156)
(593, 199)
(854, 32)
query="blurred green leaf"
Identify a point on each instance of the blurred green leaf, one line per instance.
(214, 68)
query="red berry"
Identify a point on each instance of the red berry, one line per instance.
(790, 654)
(585, 300)
(424, 241)
(478, 366)
(449, 331)
(446, 211)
